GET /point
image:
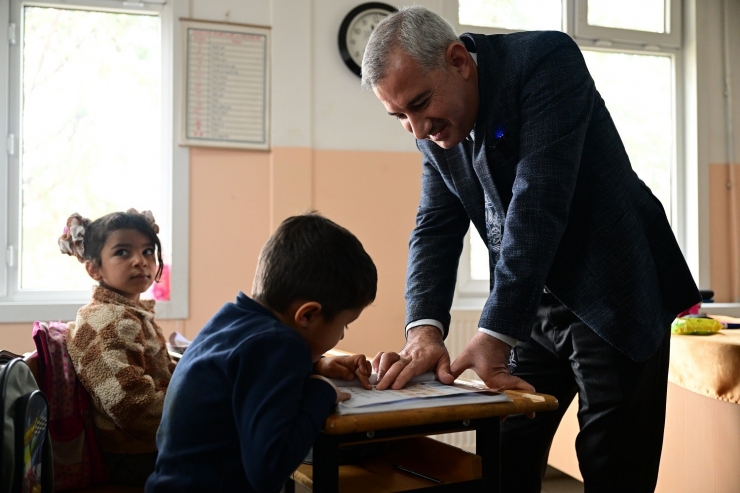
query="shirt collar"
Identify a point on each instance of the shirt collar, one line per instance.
(471, 137)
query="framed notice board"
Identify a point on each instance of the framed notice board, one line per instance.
(226, 96)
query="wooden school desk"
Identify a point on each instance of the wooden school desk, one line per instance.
(412, 462)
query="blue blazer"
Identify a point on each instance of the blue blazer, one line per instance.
(549, 187)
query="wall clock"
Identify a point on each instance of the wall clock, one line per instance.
(355, 31)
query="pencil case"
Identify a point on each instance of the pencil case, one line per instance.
(695, 326)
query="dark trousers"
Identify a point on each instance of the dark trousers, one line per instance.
(621, 407)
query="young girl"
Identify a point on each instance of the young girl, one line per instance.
(117, 349)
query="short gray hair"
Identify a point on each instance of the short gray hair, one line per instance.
(417, 31)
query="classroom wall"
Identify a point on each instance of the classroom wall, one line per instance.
(335, 149)
(723, 177)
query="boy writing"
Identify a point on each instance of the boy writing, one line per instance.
(249, 396)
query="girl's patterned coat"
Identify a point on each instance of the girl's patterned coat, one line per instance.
(120, 356)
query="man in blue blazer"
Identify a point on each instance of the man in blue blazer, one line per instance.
(586, 274)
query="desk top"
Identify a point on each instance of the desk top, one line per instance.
(708, 365)
(521, 403)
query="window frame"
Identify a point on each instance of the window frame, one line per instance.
(671, 39)
(472, 293)
(18, 305)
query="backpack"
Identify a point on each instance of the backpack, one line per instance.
(26, 452)
(78, 461)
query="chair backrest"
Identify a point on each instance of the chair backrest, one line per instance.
(32, 360)
(78, 461)
(26, 452)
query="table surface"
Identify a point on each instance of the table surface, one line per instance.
(708, 365)
(521, 403)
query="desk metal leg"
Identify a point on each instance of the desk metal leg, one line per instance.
(488, 447)
(326, 464)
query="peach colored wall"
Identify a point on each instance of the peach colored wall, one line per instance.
(375, 195)
(229, 221)
(247, 194)
(16, 337)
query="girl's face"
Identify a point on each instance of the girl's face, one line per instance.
(127, 263)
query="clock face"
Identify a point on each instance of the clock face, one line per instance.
(359, 32)
(356, 29)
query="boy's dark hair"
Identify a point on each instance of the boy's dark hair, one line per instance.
(89, 244)
(312, 258)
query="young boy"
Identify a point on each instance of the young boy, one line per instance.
(249, 396)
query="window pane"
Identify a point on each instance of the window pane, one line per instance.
(638, 92)
(91, 131)
(512, 14)
(478, 256)
(637, 15)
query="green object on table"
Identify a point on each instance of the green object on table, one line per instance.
(695, 326)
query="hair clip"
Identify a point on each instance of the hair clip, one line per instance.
(149, 218)
(72, 241)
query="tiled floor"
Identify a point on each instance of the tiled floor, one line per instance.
(559, 482)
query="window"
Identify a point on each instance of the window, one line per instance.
(90, 130)
(631, 49)
(651, 18)
(511, 14)
(652, 23)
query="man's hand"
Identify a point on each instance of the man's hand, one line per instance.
(345, 368)
(424, 351)
(489, 358)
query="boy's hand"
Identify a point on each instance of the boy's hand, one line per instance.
(341, 396)
(345, 368)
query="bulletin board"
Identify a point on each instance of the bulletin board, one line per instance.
(226, 94)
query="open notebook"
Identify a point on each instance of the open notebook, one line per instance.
(421, 392)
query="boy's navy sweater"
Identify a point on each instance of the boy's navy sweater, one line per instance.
(241, 411)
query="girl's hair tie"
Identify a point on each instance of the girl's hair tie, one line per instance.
(72, 241)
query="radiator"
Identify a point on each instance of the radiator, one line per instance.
(463, 327)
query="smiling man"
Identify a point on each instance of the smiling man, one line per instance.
(586, 274)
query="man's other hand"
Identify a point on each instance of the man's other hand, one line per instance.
(424, 351)
(489, 358)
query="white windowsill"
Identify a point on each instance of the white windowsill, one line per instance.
(22, 312)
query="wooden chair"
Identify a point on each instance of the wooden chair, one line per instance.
(32, 360)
